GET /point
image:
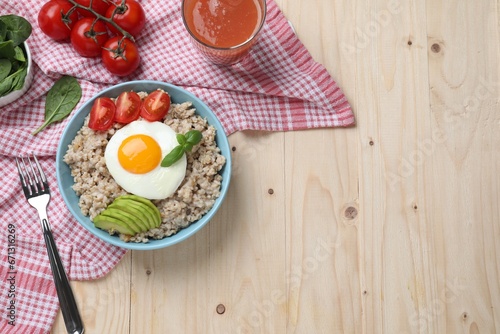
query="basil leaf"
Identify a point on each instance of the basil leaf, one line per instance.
(5, 67)
(181, 139)
(173, 156)
(186, 142)
(187, 147)
(61, 100)
(193, 137)
(18, 28)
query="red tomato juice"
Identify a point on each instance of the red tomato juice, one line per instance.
(223, 23)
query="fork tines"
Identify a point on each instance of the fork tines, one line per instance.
(32, 176)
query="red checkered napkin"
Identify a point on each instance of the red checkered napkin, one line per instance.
(278, 87)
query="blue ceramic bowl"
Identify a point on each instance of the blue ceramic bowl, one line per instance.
(65, 180)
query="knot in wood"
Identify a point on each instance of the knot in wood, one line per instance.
(220, 309)
(350, 213)
(436, 48)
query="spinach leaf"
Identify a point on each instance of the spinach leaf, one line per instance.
(5, 86)
(3, 31)
(19, 76)
(15, 80)
(19, 54)
(14, 30)
(18, 28)
(5, 67)
(61, 100)
(7, 50)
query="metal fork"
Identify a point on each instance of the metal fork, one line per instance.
(36, 190)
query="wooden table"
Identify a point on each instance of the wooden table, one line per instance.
(392, 226)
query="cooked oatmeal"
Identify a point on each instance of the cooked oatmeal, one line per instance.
(194, 197)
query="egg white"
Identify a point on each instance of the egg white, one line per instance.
(160, 182)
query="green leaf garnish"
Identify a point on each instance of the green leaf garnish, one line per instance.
(193, 137)
(173, 156)
(181, 139)
(186, 143)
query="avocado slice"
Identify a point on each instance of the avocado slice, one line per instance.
(118, 216)
(149, 217)
(143, 217)
(129, 214)
(131, 220)
(147, 211)
(112, 224)
(147, 202)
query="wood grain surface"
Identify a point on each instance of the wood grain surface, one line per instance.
(391, 226)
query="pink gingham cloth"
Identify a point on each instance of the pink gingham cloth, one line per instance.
(278, 87)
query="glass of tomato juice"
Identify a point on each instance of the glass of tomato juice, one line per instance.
(224, 30)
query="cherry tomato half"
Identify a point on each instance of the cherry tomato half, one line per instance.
(130, 18)
(54, 21)
(155, 106)
(99, 6)
(128, 107)
(120, 56)
(88, 37)
(102, 114)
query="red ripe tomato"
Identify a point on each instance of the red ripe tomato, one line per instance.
(120, 56)
(128, 107)
(130, 18)
(99, 6)
(102, 114)
(88, 40)
(155, 106)
(54, 20)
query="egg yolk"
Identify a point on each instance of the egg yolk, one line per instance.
(139, 154)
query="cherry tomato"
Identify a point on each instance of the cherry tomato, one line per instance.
(86, 41)
(102, 114)
(155, 106)
(131, 17)
(99, 6)
(54, 21)
(128, 107)
(120, 56)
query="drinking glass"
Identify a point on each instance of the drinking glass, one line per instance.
(221, 55)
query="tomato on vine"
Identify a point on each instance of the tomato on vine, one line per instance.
(56, 19)
(99, 6)
(130, 17)
(88, 36)
(120, 56)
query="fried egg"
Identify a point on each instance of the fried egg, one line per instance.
(133, 156)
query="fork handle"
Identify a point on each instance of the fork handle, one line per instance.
(67, 301)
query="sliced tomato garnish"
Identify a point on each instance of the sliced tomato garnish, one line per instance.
(155, 106)
(128, 107)
(102, 114)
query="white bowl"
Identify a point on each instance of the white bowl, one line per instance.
(12, 96)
